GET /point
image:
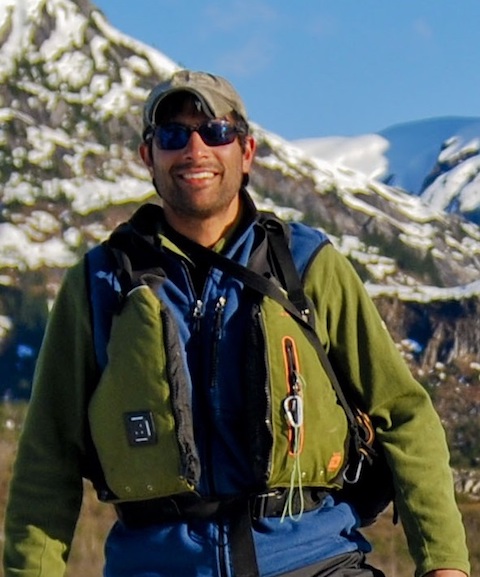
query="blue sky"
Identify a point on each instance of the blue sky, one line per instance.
(308, 68)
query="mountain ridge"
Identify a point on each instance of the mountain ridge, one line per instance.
(437, 159)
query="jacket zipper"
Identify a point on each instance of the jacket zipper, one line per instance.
(222, 550)
(198, 315)
(217, 337)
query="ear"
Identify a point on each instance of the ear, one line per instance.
(145, 151)
(248, 153)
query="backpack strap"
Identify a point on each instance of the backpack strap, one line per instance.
(278, 234)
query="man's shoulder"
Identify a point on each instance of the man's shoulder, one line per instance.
(306, 243)
(304, 233)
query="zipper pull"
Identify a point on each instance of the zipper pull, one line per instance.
(198, 314)
(219, 310)
(217, 336)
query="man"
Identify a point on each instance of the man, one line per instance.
(196, 405)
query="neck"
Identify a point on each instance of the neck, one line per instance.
(200, 232)
(204, 231)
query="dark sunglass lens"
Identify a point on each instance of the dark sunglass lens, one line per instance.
(216, 133)
(172, 136)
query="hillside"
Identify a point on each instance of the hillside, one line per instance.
(71, 93)
(436, 159)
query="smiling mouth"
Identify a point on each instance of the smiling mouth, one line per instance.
(204, 175)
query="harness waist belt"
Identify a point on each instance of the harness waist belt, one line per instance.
(186, 507)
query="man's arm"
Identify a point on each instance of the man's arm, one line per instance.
(367, 360)
(46, 488)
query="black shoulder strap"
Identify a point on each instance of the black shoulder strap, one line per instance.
(277, 234)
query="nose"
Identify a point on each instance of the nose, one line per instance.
(195, 147)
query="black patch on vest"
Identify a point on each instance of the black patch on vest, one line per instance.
(140, 428)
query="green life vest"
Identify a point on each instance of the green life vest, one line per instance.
(141, 420)
(299, 427)
(140, 412)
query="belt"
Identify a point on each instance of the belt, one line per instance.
(190, 506)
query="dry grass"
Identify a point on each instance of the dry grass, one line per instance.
(96, 518)
(390, 546)
(390, 551)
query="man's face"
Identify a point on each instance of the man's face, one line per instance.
(199, 182)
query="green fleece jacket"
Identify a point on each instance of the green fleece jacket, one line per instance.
(46, 490)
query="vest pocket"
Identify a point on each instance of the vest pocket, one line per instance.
(304, 434)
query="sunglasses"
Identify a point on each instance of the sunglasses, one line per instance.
(175, 136)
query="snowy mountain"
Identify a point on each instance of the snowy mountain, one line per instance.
(71, 93)
(437, 159)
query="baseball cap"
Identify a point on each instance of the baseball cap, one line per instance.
(217, 95)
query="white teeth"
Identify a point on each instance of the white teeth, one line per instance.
(198, 175)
